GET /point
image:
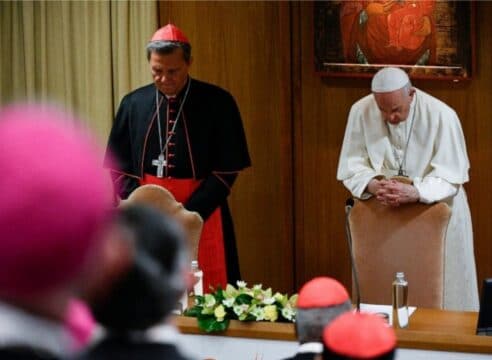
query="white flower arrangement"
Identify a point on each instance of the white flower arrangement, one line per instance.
(214, 310)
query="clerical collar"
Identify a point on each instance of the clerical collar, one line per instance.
(158, 334)
(179, 94)
(20, 328)
(310, 347)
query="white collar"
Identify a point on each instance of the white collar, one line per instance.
(20, 328)
(161, 334)
(164, 333)
(310, 347)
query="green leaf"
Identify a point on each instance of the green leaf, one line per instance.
(293, 300)
(199, 300)
(250, 317)
(207, 310)
(230, 291)
(210, 324)
(244, 299)
(195, 311)
(219, 295)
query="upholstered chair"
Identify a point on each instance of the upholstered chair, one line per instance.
(409, 238)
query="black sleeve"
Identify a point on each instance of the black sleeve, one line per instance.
(228, 150)
(211, 193)
(231, 149)
(119, 157)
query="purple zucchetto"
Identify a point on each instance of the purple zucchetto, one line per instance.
(54, 199)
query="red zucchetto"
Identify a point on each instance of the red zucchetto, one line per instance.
(359, 336)
(322, 292)
(170, 32)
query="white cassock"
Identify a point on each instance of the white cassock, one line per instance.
(436, 161)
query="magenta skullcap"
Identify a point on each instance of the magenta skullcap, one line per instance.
(322, 292)
(359, 336)
(54, 199)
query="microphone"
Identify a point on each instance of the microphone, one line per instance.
(348, 207)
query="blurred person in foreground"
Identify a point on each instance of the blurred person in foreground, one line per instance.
(136, 308)
(320, 301)
(54, 213)
(363, 336)
(404, 146)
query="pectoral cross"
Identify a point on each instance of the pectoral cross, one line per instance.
(160, 162)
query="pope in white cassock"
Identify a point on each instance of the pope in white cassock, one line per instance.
(400, 130)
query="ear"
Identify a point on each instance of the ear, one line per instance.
(191, 61)
(113, 259)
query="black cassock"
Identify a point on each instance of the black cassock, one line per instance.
(128, 350)
(208, 144)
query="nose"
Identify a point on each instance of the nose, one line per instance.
(391, 118)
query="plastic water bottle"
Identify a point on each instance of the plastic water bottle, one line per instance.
(198, 275)
(400, 301)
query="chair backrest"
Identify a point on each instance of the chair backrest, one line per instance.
(409, 238)
(161, 199)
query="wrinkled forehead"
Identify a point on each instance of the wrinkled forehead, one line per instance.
(176, 54)
(392, 100)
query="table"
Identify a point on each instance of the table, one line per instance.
(435, 331)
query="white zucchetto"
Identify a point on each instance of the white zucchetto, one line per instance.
(389, 79)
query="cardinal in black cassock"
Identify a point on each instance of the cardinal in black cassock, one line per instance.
(187, 136)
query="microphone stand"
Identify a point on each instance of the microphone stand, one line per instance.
(348, 207)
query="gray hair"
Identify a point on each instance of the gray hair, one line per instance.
(311, 322)
(408, 87)
(167, 47)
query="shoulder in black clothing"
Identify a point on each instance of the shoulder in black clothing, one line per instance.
(124, 350)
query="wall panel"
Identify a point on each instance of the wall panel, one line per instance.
(245, 48)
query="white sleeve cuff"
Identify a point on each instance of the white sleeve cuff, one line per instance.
(432, 189)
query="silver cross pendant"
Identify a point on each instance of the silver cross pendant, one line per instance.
(160, 162)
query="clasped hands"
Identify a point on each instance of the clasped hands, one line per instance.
(392, 192)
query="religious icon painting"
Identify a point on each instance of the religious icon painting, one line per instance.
(427, 38)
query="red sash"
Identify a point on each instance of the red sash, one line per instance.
(211, 254)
